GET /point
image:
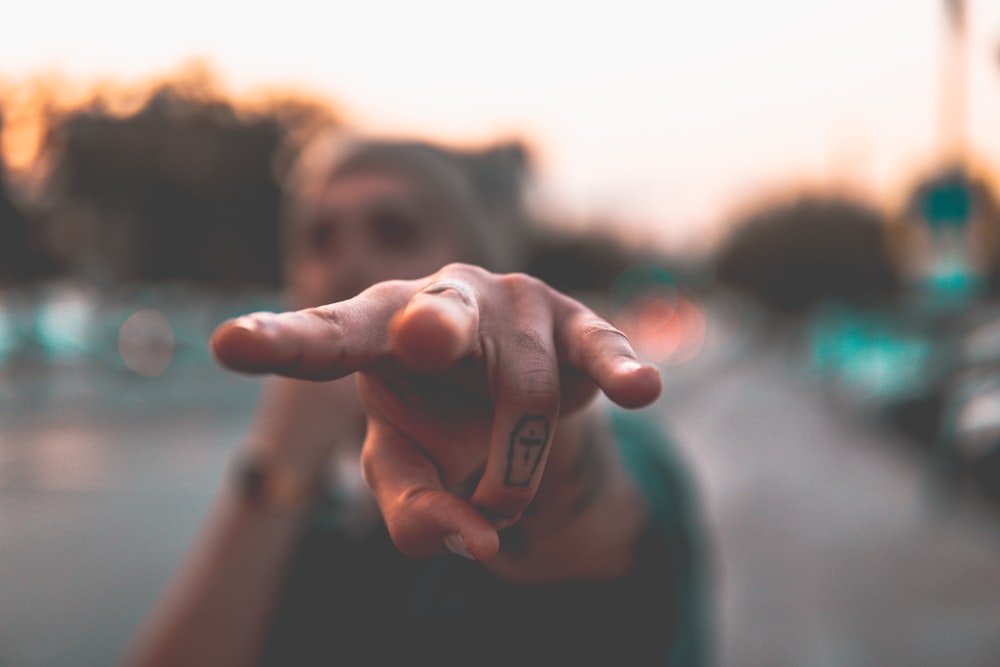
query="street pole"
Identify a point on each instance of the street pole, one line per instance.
(954, 93)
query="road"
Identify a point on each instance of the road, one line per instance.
(829, 547)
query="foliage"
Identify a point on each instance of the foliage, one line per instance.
(809, 251)
(182, 187)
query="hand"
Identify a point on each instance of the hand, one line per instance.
(463, 375)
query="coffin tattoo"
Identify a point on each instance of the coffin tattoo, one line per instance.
(527, 444)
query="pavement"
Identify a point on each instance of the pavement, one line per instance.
(830, 546)
(834, 546)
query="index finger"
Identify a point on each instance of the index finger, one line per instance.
(322, 343)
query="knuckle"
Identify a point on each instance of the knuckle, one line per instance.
(536, 383)
(414, 496)
(541, 394)
(329, 318)
(529, 342)
(602, 331)
(520, 285)
(334, 328)
(461, 269)
(385, 290)
(393, 285)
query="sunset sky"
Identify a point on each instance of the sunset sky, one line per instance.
(668, 114)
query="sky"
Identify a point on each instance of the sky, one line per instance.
(669, 116)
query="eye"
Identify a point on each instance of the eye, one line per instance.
(322, 236)
(395, 230)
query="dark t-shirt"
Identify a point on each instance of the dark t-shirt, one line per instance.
(358, 601)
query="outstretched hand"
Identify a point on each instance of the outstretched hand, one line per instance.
(463, 375)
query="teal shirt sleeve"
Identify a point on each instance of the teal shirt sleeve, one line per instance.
(666, 482)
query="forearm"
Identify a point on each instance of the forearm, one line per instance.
(218, 609)
(219, 606)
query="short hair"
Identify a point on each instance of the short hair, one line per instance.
(480, 193)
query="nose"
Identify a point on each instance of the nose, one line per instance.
(327, 279)
(338, 274)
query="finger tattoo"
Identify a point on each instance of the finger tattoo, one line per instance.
(527, 444)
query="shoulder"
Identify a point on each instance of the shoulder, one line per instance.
(653, 459)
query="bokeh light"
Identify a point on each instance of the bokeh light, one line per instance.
(664, 322)
(664, 326)
(146, 342)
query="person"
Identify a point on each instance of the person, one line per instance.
(446, 464)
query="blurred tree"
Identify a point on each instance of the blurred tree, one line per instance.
(22, 258)
(184, 188)
(24, 265)
(184, 185)
(590, 261)
(812, 250)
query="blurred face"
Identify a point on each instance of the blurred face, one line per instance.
(362, 229)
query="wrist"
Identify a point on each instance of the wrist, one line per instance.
(302, 424)
(266, 481)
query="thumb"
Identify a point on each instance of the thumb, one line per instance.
(437, 327)
(422, 517)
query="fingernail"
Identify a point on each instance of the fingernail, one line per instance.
(500, 524)
(454, 543)
(268, 328)
(629, 365)
(258, 323)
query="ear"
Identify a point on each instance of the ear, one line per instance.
(499, 173)
(514, 153)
